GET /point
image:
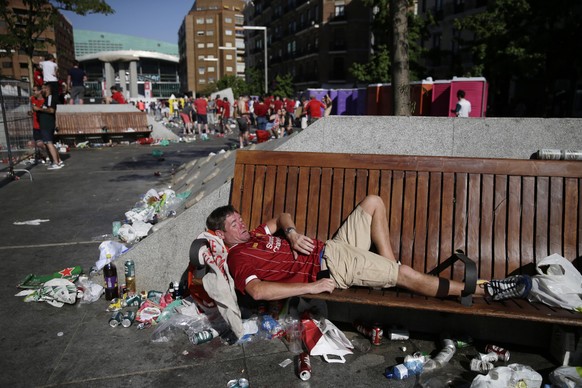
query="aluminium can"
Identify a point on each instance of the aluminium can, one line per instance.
(376, 334)
(129, 268)
(128, 319)
(116, 319)
(304, 366)
(501, 352)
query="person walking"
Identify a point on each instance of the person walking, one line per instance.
(463, 108)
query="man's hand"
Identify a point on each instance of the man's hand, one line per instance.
(300, 243)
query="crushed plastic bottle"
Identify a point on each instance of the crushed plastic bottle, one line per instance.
(443, 357)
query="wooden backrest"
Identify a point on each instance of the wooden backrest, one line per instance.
(93, 122)
(503, 213)
(73, 123)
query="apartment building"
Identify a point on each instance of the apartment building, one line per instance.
(14, 64)
(316, 41)
(211, 43)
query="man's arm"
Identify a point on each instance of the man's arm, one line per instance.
(299, 242)
(264, 290)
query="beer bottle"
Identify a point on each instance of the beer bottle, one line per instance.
(111, 286)
(130, 276)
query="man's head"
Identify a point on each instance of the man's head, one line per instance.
(461, 94)
(228, 224)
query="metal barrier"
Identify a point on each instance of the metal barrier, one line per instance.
(16, 138)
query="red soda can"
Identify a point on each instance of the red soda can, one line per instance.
(365, 330)
(502, 353)
(304, 366)
(377, 334)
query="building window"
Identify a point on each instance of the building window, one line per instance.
(340, 10)
(229, 68)
(210, 33)
(200, 33)
(228, 32)
(6, 65)
(201, 70)
(211, 69)
(228, 20)
(199, 20)
(200, 45)
(209, 20)
(200, 57)
(201, 81)
(338, 71)
(229, 57)
(209, 45)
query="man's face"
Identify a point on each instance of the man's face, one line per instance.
(235, 230)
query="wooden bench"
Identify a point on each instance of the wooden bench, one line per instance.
(102, 125)
(504, 214)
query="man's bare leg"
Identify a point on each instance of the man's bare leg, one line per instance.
(407, 277)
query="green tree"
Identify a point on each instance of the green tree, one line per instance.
(397, 50)
(284, 85)
(533, 44)
(26, 26)
(400, 48)
(255, 81)
(376, 70)
(237, 84)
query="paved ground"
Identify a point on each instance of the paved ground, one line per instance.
(74, 346)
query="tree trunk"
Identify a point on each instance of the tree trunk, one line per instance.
(400, 68)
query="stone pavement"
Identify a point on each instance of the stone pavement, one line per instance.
(74, 346)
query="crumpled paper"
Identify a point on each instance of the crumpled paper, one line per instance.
(55, 292)
(30, 222)
(109, 251)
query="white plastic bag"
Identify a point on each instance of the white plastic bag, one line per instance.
(323, 338)
(511, 376)
(566, 377)
(558, 284)
(108, 252)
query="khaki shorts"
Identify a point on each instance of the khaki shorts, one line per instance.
(349, 259)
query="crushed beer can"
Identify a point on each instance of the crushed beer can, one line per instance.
(128, 319)
(238, 383)
(116, 319)
(501, 352)
(304, 366)
(481, 366)
(489, 357)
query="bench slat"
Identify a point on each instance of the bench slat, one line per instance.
(510, 309)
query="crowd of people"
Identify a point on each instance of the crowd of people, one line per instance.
(267, 116)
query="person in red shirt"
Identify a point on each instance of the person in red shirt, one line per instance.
(37, 100)
(261, 113)
(201, 104)
(268, 265)
(226, 115)
(277, 104)
(313, 109)
(116, 96)
(38, 77)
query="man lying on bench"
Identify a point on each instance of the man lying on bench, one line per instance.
(268, 267)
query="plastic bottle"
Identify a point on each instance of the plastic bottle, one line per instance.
(398, 372)
(111, 286)
(443, 357)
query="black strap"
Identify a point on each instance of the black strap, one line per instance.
(444, 286)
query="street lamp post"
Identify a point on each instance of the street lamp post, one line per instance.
(264, 29)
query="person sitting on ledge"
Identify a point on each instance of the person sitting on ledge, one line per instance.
(116, 96)
(268, 267)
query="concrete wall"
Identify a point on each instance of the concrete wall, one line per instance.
(163, 256)
(442, 136)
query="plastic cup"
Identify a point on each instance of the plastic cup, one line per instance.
(115, 225)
